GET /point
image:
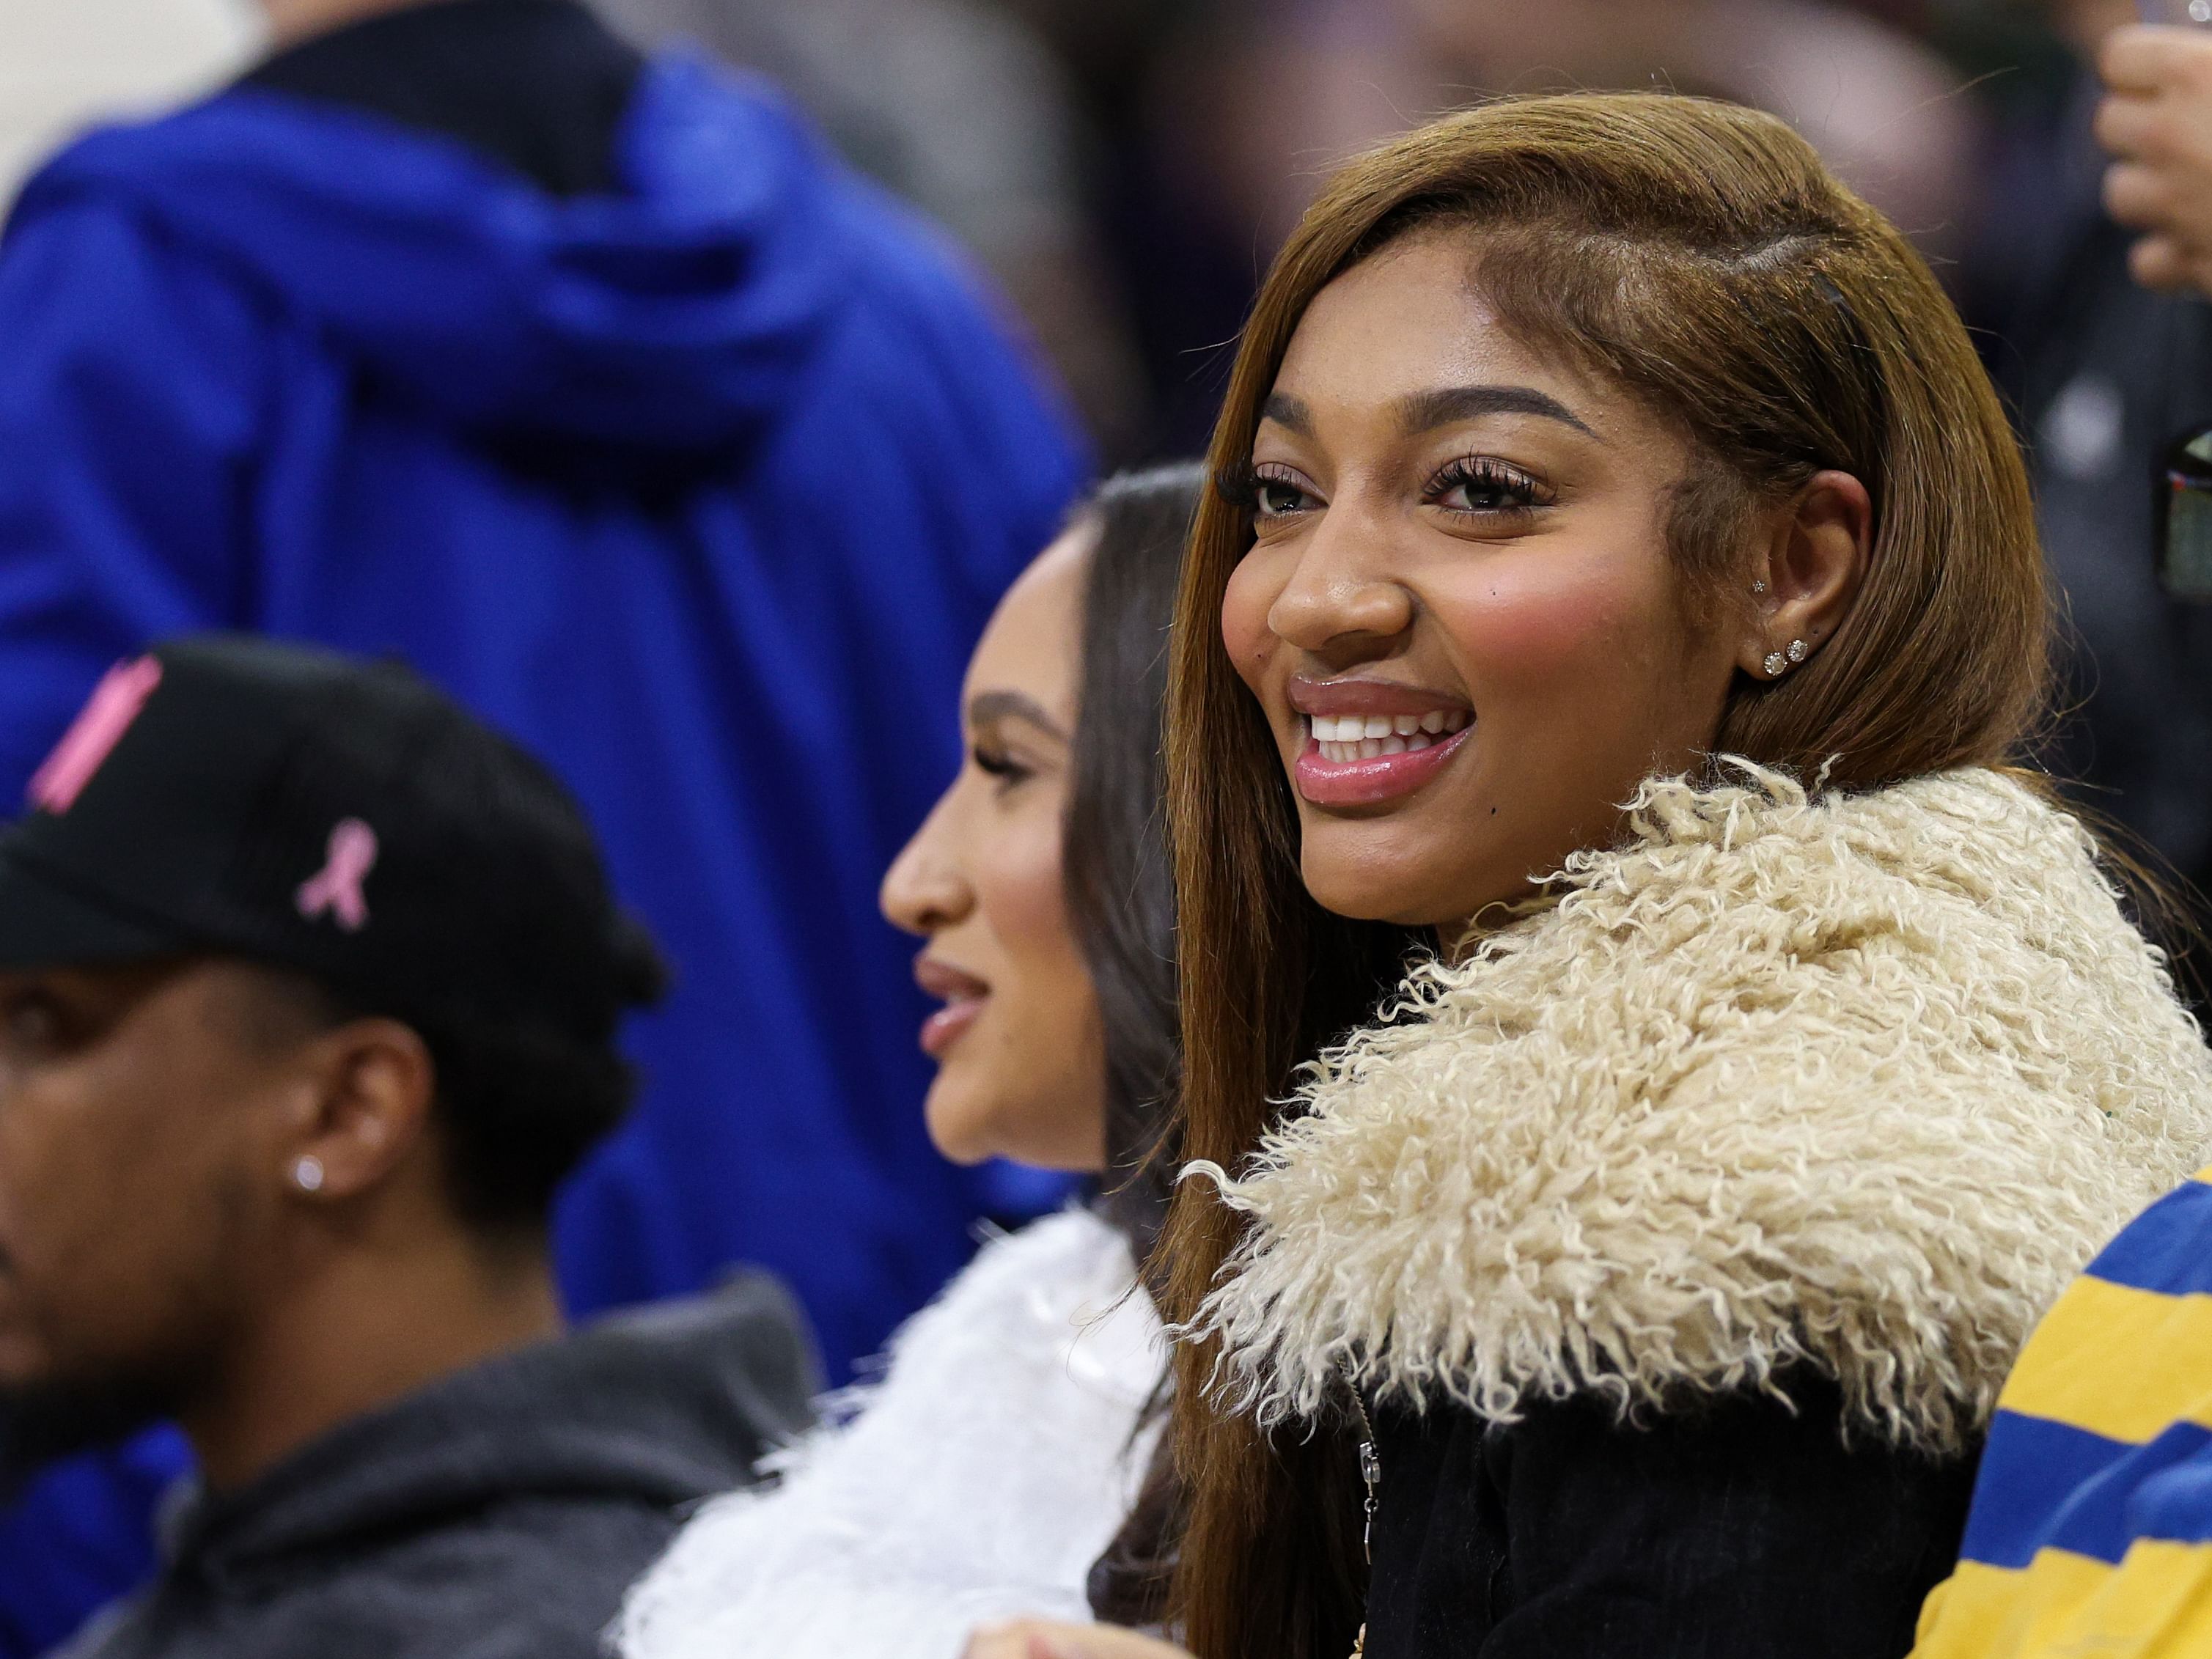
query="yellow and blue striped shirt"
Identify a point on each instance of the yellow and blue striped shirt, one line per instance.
(2091, 1532)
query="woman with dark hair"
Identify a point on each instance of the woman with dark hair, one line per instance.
(1655, 1050)
(1008, 1437)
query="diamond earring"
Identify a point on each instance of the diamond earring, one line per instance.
(1759, 587)
(1776, 662)
(307, 1174)
(1796, 650)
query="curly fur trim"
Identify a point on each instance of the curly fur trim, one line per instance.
(978, 1481)
(1856, 1081)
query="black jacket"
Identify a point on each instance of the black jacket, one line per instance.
(1741, 1530)
(2102, 375)
(498, 1514)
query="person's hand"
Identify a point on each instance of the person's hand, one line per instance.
(2157, 122)
(1035, 1639)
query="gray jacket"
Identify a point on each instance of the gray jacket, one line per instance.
(499, 1512)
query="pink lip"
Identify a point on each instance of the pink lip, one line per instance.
(1333, 698)
(947, 1026)
(963, 995)
(1365, 782)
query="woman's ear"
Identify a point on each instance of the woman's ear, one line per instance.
(371, 1082)
(1812, 562)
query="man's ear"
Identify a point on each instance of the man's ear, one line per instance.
(371, 1083)
(1811, 568)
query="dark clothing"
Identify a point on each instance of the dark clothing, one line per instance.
(1736, 1531)
(2103, 376)
(540, 85)
(500, 1512)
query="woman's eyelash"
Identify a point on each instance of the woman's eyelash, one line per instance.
(1005, 768)
(1511, 489)
(1247, 486)
(1238, 485)
(1492, 487)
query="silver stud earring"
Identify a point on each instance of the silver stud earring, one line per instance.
(1776, 662)
(1796, 650)
(1759, 587)
(307, 1174)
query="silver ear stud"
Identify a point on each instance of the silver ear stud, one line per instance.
(1776, 662)
(1759, 587)
(1797, 651)
(307, 1174)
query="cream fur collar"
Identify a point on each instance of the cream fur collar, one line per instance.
(1855, 1080)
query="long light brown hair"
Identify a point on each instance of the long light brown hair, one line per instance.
(1698, 259)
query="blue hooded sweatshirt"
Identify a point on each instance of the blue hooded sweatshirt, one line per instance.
(702, 488)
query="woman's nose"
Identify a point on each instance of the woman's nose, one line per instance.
(1341, 593)
(924, 890)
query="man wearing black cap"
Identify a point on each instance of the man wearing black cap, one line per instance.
(308, 991)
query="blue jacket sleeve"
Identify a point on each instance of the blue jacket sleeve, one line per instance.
(129, 411)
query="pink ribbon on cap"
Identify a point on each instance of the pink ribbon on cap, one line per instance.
(336, 887)
(92, 735)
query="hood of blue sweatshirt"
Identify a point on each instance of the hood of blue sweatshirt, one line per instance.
(677, 312)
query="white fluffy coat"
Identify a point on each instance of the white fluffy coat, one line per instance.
(1856, 1080)
(978, 1481)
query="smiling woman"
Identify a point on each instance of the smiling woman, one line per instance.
(1648, 1264)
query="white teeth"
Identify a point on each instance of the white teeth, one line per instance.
(1346, 738)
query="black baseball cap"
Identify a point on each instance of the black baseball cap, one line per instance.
(240, 796)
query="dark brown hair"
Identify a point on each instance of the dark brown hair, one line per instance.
(1119, 881)
(1698, 258)
(1121, 897)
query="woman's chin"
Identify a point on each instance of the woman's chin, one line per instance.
(957, 1128)
(1366, 894)
(1406, 894)
(968, 1129)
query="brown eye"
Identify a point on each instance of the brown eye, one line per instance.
(1479, 484)
(1278, 494)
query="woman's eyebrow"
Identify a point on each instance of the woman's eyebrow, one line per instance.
(1288, 412)
(1423, 411)
(986, 708)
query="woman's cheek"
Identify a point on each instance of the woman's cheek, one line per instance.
(1544, 623)
(1025, 899)
(1252, 588)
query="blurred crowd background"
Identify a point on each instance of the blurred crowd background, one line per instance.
(1125, 166)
